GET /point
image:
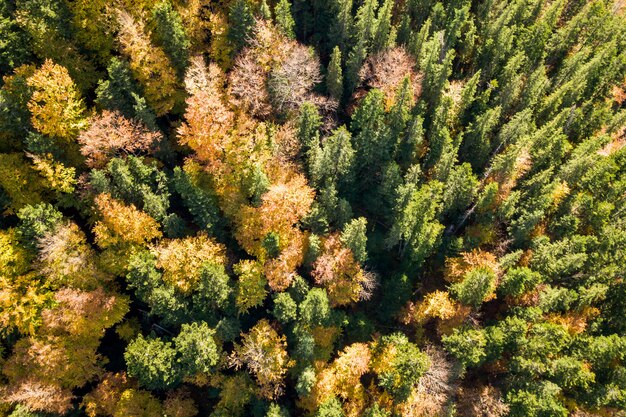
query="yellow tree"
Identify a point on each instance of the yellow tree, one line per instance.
(182, 259)
(264, 353)
(148, 63)
(120, 223)
(343, 379)
(55, 105)
(207, 119)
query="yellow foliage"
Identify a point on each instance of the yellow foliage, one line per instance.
(264, 352)
(220, 50)
(436, 304)
(342, 379)
(122, 224)
(21, 300)
(56, 107)
(149, 64)
(14, 259)
(251, 290)
(19, 181)
(182, 259)
(57, 176)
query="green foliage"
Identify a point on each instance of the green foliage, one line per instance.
(467, 346)
(353, 236)
(476, 287)
(241, 21)
(197, 350)
(284, 20)
(285, 309)
(170, 34)
(152, 362)
(331, 408)
(334, 76)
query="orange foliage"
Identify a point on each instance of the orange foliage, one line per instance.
(207, 119)
(39, 397)
(341, 275)
(457, 267)
(386, 71)
(111, 134)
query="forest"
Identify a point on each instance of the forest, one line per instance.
(319, 208)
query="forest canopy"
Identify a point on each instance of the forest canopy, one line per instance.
(325, 208)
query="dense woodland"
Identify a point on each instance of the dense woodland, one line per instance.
(319, 208)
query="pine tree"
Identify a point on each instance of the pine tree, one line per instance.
(366, 26)
(342, 27)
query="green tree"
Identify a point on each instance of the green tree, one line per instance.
(334, 77)
(284, 20)
(353, 236)
(415, 230)
(153, 363)
(170, 34)
(241, 21)
(196, 348)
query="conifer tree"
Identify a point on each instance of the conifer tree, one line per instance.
(284, 20)
(170, 34)
(334, 76)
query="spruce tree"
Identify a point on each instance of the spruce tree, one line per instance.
(334, 77)
(284, 20)
(170, 34)
(241, 20)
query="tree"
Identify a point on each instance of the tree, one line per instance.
(332, 164)
(264, 353)
(467, 345)
(371, 136)
(415, 229)
(353, 236)
(152, 362)
(285, 309)
(384, 37)
(241, 21)
(366, 26)
(196, 349)
(111, 134)
(170, 34)
(334, 76)
(284, 20)
(183, 260)
(149, 64)
(477, 286)
(251, 290)
(121, 92)
(21, 184)
(399, 365)
(120, 223)
(338, 271)
(55, 105)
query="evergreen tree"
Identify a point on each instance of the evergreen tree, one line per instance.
(170, 34)
(334, 77)
(284, 20)
(241, 21)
